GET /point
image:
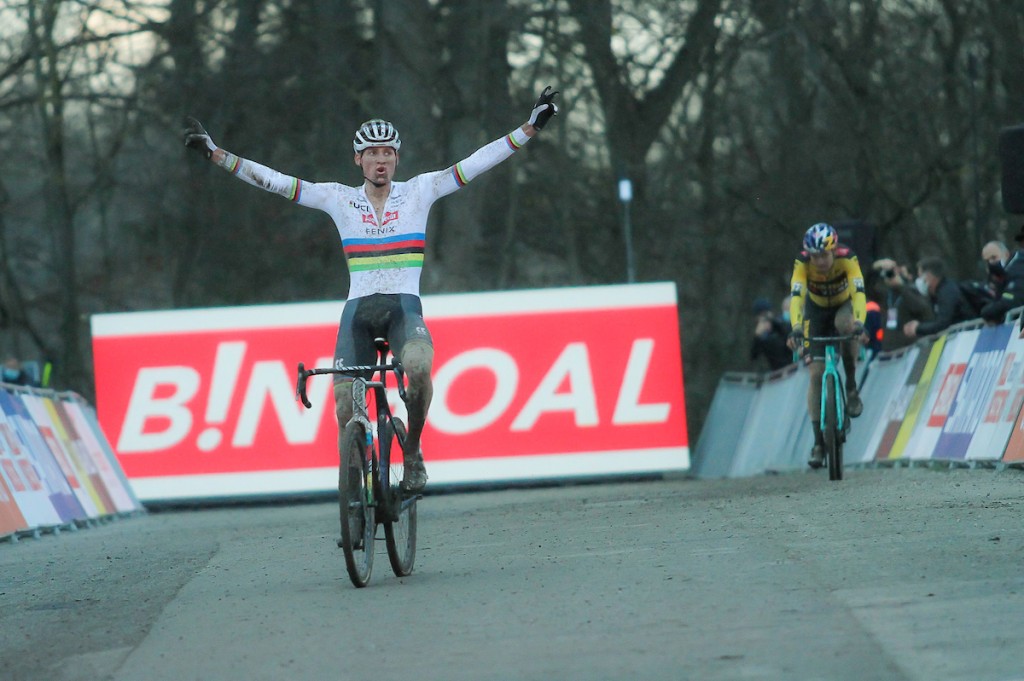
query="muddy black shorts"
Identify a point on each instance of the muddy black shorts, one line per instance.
(398, 317)
(821, 321)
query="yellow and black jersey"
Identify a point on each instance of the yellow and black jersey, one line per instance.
(843, 282)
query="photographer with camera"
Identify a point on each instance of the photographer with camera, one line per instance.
(902, 303)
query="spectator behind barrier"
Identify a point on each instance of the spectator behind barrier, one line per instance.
(14, 374)
(1008, 277)
(980, 294)
(901, 302)
(770, 336)
(996, 256)
(948, 301)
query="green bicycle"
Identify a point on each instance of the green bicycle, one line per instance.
(835, 421)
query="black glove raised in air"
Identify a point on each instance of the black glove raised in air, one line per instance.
(197, 138)
(544, 108)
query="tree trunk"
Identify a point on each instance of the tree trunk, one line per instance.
(59, 213)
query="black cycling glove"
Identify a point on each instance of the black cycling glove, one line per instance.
(197, 138)
(544, 109)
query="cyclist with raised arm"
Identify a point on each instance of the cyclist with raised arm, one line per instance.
(828, 299)
(383, 225)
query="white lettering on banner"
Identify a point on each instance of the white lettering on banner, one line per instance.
(506, 374)
(628, 408)
(574, 364)
(144, 405)
(222, 386)
(272, 380)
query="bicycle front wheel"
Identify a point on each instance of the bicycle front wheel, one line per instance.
(354, 504)
(400, 533)
(833, 444)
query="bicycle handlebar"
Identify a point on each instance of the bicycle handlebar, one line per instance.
(834, 339)
(304, 373)
(801, 350)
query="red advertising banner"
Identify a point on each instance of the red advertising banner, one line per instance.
(527, 385)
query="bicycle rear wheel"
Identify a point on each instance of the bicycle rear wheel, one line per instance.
(833, 439)
(356, 512)
(399, 534)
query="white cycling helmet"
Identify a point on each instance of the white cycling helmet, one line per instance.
(376, 133)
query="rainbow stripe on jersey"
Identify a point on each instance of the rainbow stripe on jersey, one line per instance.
(462, 179)
(402, 250)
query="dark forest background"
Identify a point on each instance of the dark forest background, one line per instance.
(739, 122)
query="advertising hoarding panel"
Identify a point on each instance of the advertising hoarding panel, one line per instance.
(545, 384)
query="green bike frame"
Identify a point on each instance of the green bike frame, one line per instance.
(831, 362)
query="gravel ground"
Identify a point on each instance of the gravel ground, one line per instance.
(889, 574)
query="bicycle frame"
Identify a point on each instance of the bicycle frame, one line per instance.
(360, 414)
(831, 362)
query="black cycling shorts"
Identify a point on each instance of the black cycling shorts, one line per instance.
(398, 317)
(821, 321)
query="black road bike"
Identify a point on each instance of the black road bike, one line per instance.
(371, 470)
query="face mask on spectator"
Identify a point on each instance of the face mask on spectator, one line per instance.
(996, 268)
(11, 374)
(921, 285)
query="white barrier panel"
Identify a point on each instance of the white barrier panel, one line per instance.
(558, 383)
(24, 435)
(12, 519)
(85, 439)
(772, 427)
(1003, 404)
(972, 400)
(50, 476)
(885, 396)
(89, 414)
(25, 481)
(74, 467)
(897, 436)
(721, 435)
(949, 372)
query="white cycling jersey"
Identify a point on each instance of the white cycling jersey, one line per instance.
(386, 255)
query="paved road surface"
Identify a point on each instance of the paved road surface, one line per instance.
(891, 574)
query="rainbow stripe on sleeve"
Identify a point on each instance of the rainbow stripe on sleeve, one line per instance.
(513, 145)
(296, 190)
(403, 250)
